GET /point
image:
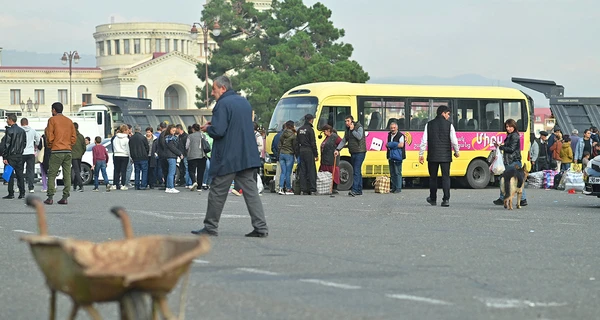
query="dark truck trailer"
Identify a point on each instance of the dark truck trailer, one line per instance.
(138, 111)
(570, 112)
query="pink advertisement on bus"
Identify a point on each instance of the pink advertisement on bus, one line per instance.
(467, 141)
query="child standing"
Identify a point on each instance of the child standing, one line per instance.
(566, 154)
(99, 160)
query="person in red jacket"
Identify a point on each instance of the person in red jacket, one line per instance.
(99, 161)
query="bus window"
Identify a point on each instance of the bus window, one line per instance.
(293, 108)
(373, 114)
(466, 115)
(394, 112)
(514, 110)
(440, 102)
(419, 113)
(333, 116)
(491, 113)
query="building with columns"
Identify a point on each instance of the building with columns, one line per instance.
(155, 61)
(147, 60)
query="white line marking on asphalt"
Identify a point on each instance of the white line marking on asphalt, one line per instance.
(201, 261)
(418, 299)
(571, 224)
(258, 271)
(295, 205)
(450, 216)
(515, 303)
(23, 231)
(330, 284)
(186, 215)
(508, 219)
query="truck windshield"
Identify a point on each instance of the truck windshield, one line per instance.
(294, 108)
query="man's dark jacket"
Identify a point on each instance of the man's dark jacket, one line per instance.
(439, 145)
(79, 147)
(182, 140)
(234, 145)
(138, 147)
(305, 139)
(14, 141)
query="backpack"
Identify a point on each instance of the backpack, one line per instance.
(557, 179)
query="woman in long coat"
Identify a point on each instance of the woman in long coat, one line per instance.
(328, 148)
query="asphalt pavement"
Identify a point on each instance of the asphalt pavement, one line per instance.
(370, 257)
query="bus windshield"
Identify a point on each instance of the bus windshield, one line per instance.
(294, 109)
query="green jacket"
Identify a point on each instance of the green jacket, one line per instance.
(287, 142)
(79, 148)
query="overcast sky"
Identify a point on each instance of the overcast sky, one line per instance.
(545, 39)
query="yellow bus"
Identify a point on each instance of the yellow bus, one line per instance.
(478, 115)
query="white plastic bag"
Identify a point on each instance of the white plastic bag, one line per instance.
(497, 166)
(259, 184)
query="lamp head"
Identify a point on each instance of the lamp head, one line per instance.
(194, 31)
(216, 31)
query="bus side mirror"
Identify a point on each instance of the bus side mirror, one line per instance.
(99, 118)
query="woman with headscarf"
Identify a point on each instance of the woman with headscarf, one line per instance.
(328, 148)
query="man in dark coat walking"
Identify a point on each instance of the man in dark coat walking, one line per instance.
(440, 136)
(234, 157)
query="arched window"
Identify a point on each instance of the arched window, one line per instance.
(141, 92)
(171, 98)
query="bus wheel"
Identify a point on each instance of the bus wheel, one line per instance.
(346, 176)
(478, 174)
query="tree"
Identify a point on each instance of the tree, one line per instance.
(267, 53)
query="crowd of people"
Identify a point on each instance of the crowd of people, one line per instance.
(153, 156)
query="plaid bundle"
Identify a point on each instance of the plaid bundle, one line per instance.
(324, 182)
(382, 184)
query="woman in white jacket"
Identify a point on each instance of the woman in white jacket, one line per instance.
(120, 144)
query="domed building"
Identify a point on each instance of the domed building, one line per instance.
(154, 61)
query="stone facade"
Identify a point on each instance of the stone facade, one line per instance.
(147, 60)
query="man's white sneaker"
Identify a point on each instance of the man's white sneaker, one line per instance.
(194, 186)
(31, 191)
(124, 188)
(281, 192)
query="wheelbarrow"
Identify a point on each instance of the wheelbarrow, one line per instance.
(122, 270)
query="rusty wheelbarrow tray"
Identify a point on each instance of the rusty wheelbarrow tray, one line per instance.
(99, 272)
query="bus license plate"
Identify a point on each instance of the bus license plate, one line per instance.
(594, 180)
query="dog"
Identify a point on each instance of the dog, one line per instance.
(511, 184)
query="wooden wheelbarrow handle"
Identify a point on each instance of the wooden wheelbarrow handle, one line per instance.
(120, 213)
(35, 202)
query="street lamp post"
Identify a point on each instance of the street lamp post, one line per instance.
(216, 31)
(71, 56)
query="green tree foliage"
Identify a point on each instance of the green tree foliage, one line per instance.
(276, 50)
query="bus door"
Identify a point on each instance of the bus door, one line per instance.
(333, 112)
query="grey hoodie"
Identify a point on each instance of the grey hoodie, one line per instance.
(33, 139)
